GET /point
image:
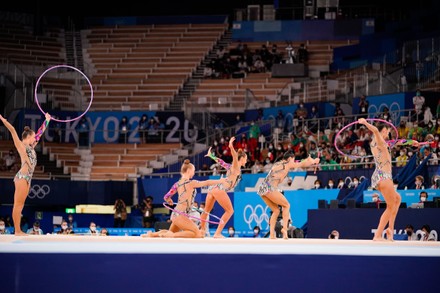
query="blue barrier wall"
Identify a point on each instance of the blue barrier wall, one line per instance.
(361, 223)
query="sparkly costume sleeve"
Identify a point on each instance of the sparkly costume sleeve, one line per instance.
(41, 130)
(220, 161)
(400, 142)
(170, 193)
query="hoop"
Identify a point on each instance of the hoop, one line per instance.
(65, 66)
(356, 122)
(220, 221)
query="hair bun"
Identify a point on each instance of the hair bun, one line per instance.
(186, 161)
(27, 128)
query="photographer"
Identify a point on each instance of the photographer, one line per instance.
(334, 235)
(409, 229)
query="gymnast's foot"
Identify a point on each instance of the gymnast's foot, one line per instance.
(390, 235)
(20, 233)
(285, 235)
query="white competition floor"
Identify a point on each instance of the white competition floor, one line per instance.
(71, 244)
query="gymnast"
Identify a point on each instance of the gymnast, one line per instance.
(219, 191)
(273, 197)
(22, 180)
(181, 225)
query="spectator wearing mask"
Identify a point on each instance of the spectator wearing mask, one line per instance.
(330, 184)
(35, 230)
(423, 196)
(65, 229)
(148, 212)
(334, 235)
(409, 230)
(120, 214)
(10, 160)
(376, 199)
(354, 183)
(231, 232)
(3, 230)
(419, 182)
(317, 184)
(402, 158)
(92, 229)
(71, 223)
(257, 231)
(428, 234)
(83, 132)
(124, 128)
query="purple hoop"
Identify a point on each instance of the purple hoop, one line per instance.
(355, 122)
(165, 204)
(65, 66)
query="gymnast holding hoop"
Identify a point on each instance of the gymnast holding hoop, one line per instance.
(273, 197)
(219, 192)
(382, 178)
(22, 180)
(181, 225)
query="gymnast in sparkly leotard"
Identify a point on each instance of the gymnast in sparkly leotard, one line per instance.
(272, 195)
(382, 179)
(22, 179)
(219, 192)
(181, 225)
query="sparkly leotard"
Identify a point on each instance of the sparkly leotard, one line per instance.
(268, 184)
(30, 152)
(230, 182)
(183, 204)
(30, 170)
(379, 174)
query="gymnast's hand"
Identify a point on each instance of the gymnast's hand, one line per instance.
(169, 201)
(209, 152)
(362, 121)
(231, 141)
(48, 117)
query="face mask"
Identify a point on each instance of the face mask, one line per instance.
(355, 182)
(301, 106)
(93, 229)
(410, 154)
(341, 183)
(255, 231)
(70, 219)
(270, 147)
(429, 125)
(36, 228)
(374, 199)
(222, 140)
(401, 153)
(436, 138)
(330, 184)
(231, 232)
(336, 237)
(317, 185)
(2, 227)
(385, 116)
(423, 198)
(64, 227)
(417, 94)
(267, 161)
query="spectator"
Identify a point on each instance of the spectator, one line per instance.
(419, 182)
(65, 229)
(423, 196)
(363, 107)
(35, 230)
(427, 116)
(83, 132)
(418, 102)
(104, 232)
(376, 199)
(317, 184)
(124, 128)
(334, 235)
(403, 82)
(92, 229)
(428, 234)
(3, 229)
(254, 133)
(257, 231)
(330, 184)
(148, 212)
(143, 124)
(341, 184)
(402, 158)
(231, 232)
(71, 223)
(208, 71)
(120, 215)
(403, 129)
(10, 159)
(409, 230)
(303, 54)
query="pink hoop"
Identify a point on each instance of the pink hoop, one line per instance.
(355, 122)
(65, 66)
(165, 204)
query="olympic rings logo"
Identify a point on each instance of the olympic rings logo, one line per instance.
(38, 191)
(394, 109)
(348, 180)
(257, 215)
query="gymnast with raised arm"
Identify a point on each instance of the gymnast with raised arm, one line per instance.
(22, 180)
